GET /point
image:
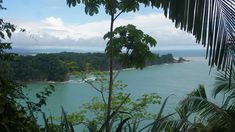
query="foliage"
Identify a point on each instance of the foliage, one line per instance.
(39, 67)
(92, 115)
(208, 116)
(130, 46)
(217, 117)
(211, 22)
(111, 6)
(19, 113)
(6, 30)
(168, 58)
(53, 67)
(11, 116)
(225, 84)
(58, 66)
(14, 114)
(114, 8)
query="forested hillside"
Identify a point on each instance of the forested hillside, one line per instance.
(58, 66)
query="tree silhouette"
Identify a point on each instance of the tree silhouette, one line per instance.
(114, 8)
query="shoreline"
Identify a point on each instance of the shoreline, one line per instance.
(187, 60)
(125, 69)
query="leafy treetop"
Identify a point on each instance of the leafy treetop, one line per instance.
(131, 46)
(111, 6)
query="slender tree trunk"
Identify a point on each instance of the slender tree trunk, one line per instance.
(110, 75)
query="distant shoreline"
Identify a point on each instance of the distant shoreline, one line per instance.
(57, 67)
(125, 69)
(174, 52)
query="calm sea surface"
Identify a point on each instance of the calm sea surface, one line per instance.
(178, 79)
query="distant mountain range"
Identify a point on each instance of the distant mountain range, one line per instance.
(21, 51)
(176, 53)
(183, 53)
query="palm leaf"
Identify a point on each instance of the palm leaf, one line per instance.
(121, 124)
(65, 124)
(210, 21)
(173, 125)
(157, 121)
(208, 111)
(163, 106)
(226, 85)
(182, 124)
(115, 112)
(160, 117)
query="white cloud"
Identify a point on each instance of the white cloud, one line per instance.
(53, 21)
(54, 33)
(46, 41)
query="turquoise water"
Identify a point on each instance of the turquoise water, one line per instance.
(178, 79)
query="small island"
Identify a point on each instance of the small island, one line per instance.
(181, 60)
(58, 66)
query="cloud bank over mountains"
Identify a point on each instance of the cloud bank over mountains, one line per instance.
(53, 32)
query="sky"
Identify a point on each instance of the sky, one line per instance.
(51, 24)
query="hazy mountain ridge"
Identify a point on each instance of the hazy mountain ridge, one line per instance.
(175, 53)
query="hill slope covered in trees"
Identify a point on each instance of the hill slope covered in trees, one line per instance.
(58, 66)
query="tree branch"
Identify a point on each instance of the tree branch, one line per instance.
(123, 10)
(91, 84)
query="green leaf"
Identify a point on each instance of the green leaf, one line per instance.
(121, 124)
(163, 106)
(130, 46)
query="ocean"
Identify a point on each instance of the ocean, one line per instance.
(176, 79)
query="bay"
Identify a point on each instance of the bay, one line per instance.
(166, 79)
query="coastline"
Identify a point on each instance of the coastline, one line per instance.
(124, 69)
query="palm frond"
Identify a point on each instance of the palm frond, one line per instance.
(222, 83)
(163, 106)
(208, 111)
(65, 124)
(122, 123)
(173, 125)
(210, 21)
(115, 112)
(229, 101)
(160, 118)
(226, 86)
(181, 124)
(157, 122)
